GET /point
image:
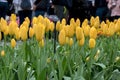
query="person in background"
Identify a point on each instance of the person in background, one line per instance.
(114, 6)
(101, 8)
(3, 8)
(23, 13)
(40, 7)
(79, 10)
(92, 9)
(61, 8)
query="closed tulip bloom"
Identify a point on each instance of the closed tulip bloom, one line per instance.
(62, 37)
(23, 33)
(17, 33)
(105, 29)
(87, 30)
(6, 31)
(3, 24)
(57, 25)
(51, 26)
(13, 43)
(13, 17)
(117, 58)
(93, 33)
(71, 31)
(78, 22)
(0, 36)
(2, 53)
(88, 58)
(47, 24)
(92, 20)
(82, 41)
(79, 33)
(71, 42)
(34, 21)
(72, 21)
(12, 26)
(28, 20)
(67, 40)
(92, 43)
(63, 21)
(31, 32)
(39, 31)
(111, 29)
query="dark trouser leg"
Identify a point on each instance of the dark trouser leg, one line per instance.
(23, 14)
(3, 9)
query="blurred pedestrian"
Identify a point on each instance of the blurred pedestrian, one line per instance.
(3, 8)
(24, 8)
(101, 8)
(40, 7)
(62, 8)
(114, 6)
(79, 10)
(92, 9)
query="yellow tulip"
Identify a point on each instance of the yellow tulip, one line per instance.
(67, 40)
(97, 55)
(93, 33)
(51, 26)
(92, 20)
(34, 21)
(41, 43)
(71, 42)
(71, 31)
(27, 20)
(105, 29)
(88, 58)
(3, 25)
(117, 58)
(111, 29)
(58, 25)
(97, 22)
(17, 33)
(12, 26)
(92, 43)
(0, 36)
(63, 21)
(6, 31)
(13, 43)
(47, 24)
(23, 33)
(62, 37)
(26, 25)
(72, 21)
(13, 17)
(31, 32)
(39, 32)
(78, 22)
(87, 30)
(85, 23)
(79, 33)
(82, 41)
(2, 53)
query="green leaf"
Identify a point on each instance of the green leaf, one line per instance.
(116, 75)
(66, 78)
(100, 65)
(99, 76)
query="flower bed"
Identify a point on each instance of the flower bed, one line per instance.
(84, 51)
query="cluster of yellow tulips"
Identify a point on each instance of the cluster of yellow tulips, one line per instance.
(41, 25)
(90, 29)
(84, 50)
(38, 28)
